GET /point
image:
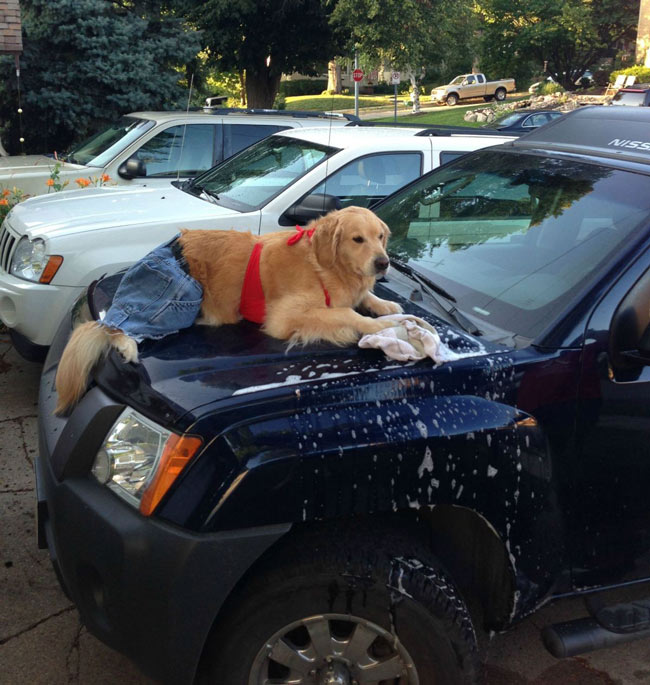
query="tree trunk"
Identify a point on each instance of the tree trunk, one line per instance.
(261, 89)
(415, 91)
(242, 88)
(334, 77)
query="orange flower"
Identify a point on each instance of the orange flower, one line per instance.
(4, 202)
(82, 182)
(49, 182)
(6, 192)
(105, 178)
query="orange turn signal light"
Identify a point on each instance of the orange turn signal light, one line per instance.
(52, 266)
(176, 455)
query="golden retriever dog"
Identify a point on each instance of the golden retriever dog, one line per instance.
(313, 280)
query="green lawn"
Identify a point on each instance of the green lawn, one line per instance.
(335, 102)
(449, 116)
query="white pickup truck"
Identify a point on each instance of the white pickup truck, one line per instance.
(472, 86)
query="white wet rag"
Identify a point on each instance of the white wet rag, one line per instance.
(411, 339)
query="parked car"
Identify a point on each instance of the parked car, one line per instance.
(523, 120)
(633, 96)
(52, 247)
(150, 148)
(472, 86)
(233, 509)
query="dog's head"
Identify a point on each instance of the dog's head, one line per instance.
(353, 240)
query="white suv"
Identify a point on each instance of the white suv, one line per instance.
(152, 148)
(52, 247)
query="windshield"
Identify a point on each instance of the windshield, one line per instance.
(252, 178)
(105, 145)
(515, 237)
(508, 120)
(630, 98)
(457, 81)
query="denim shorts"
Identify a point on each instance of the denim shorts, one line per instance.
(156, 297)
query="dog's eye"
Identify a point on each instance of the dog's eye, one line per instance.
(358, 239)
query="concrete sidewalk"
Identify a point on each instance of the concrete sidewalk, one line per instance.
(43, 642)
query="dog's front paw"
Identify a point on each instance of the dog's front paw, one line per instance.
(385, 307)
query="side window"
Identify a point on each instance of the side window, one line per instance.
(367, 180)
(450, 156)
(536, 120)
(470, 80)
(185, 150)
(480, 78)
(238, 136)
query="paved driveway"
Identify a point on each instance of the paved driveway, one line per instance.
(42, 640)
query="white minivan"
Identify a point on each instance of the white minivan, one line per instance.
(152, 148)
(52, 247)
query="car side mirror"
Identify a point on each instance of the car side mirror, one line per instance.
(132, 168)
(641, 355)
(309, 208)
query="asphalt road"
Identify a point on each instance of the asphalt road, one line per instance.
(42, 640)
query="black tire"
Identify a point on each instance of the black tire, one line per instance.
(452, 99)
(417, 618)
(488, 98)
(500, 94)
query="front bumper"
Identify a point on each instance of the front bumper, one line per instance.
(143, 586)
(34, 310)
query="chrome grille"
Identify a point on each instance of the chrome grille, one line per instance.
(7, 244)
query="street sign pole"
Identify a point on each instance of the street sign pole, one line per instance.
(356, 87)
(395, 103)
(395, 79)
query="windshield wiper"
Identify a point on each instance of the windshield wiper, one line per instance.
(436, 292)
(205, 193)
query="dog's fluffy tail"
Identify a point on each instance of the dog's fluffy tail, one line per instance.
(87, 344)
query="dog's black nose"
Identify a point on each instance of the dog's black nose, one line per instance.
(381, 264)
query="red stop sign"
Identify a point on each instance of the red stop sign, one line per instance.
(357, 74)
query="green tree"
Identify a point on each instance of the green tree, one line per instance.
(408, 35)
(264, 39)
(86, 62)
(568, 35)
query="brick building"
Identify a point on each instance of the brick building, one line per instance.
(11, 39)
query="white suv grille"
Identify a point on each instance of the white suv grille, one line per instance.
(7, 244)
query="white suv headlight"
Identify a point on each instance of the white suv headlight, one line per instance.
(140, 460)
(30, 262)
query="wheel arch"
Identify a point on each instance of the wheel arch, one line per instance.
(460, 539)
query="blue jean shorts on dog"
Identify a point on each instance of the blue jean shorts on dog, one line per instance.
(156, 296)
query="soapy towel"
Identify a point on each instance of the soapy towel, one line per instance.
(412, 340)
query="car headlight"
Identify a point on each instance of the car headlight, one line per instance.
(30, 262)
(140, 460)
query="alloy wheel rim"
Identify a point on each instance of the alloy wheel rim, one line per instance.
(333, 649)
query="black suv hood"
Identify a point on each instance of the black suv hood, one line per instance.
(177, 377)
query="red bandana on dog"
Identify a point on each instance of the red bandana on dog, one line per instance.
(252, 305)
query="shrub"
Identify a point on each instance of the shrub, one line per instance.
(302, 87)
(550, 88)
(280, 101)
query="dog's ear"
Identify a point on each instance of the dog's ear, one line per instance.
(386, 235)
(326, 239)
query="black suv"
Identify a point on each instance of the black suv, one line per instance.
(233, 511)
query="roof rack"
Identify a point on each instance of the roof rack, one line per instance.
(439, 129)
(610, 132)
(301, 114)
